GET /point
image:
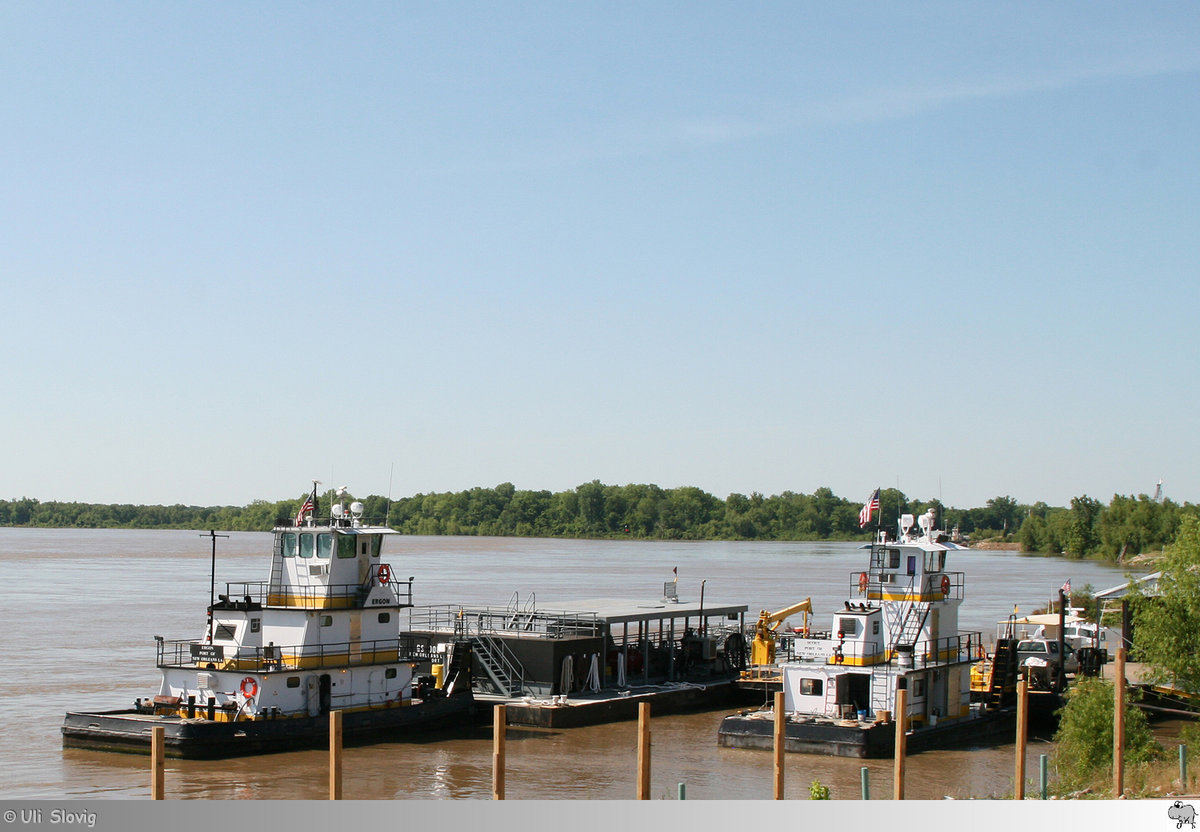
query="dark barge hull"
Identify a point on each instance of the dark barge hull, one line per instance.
(874, 740)
(129, 731)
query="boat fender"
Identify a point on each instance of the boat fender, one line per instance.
(945, 584)
(862, 582)
(249, 687)
(385, 573)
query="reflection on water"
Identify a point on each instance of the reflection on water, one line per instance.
(82, 608)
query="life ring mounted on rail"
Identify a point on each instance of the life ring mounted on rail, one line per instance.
(384, 573)
(945, 585)
(862, 583)
(249, 687)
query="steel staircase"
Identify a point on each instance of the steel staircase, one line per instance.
(500, 665)
(1004, 673)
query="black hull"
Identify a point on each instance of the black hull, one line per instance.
(866, 741)
(129, 731)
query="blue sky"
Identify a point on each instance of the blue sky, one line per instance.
(748, 247)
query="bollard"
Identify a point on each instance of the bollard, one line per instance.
(901, 738)
(499, 724)
(683, 791)
(1022, 737)
(158, 742)
(866, 783)
(335, 755)
(1183, 767)
(1119, 725)
(643, 780)
(780, 725)
(1043, 765)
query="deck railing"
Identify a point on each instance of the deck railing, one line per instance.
(466, 622)
(185, 653)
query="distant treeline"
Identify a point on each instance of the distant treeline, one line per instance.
(1126, 526)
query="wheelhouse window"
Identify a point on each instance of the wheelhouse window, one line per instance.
(345, 546)
(306, 545)
(324, 546)
(376, 543)
(287, 544)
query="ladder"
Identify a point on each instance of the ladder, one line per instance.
(1002, 688)
(881, 683)
(275, 585)
(500, 664)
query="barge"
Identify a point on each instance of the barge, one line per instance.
(898, 629)
(277, 656)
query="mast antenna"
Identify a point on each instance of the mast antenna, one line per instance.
(212, 581)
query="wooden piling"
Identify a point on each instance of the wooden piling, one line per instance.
(335, 755)
(901, 717)
(1119, 725)
(1022, 737)
(158, 771)
(499, 727)
(780, 724)
(643, 756)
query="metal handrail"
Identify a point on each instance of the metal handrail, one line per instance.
(469, 622)
(500, 653)
(190, 653)
(260, 592)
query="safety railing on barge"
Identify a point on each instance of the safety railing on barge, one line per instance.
(466, 622)
(182, 653)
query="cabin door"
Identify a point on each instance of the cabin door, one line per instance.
(325, 695)
(854, 689)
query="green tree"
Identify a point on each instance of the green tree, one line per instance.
(1168, 624)
(1084, 739)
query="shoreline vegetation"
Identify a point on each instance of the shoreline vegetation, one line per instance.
(1129, 529)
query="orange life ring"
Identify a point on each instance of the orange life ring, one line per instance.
(945, 585)
(862, 581)
(385, 573)
(249, 687)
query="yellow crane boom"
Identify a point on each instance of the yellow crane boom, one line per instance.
(762, 649)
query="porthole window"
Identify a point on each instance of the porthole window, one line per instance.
(385, 617)
(390, 673)
(293, 681)
(326, 620)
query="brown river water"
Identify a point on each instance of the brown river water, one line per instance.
(81, 609)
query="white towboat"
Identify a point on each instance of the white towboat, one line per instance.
(277, 656)
(898, 630)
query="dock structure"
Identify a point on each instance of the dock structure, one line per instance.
(591, 661)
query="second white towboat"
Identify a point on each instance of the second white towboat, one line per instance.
(899, 630)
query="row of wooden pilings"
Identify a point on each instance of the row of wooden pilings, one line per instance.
(499, 729)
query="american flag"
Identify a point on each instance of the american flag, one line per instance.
(864, 516)
(304, 509)
(1066, 588)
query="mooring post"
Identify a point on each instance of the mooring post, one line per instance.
(158, 770)
(643, 760)
(780, 725)
(683, 791)
(866, 783)
(1119, 725)
(1043, 765)
(335, 755)
(901, 739)
(1182, 766)
(499, 726)
(1022, 737)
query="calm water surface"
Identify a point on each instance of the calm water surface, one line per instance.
(82, 607)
